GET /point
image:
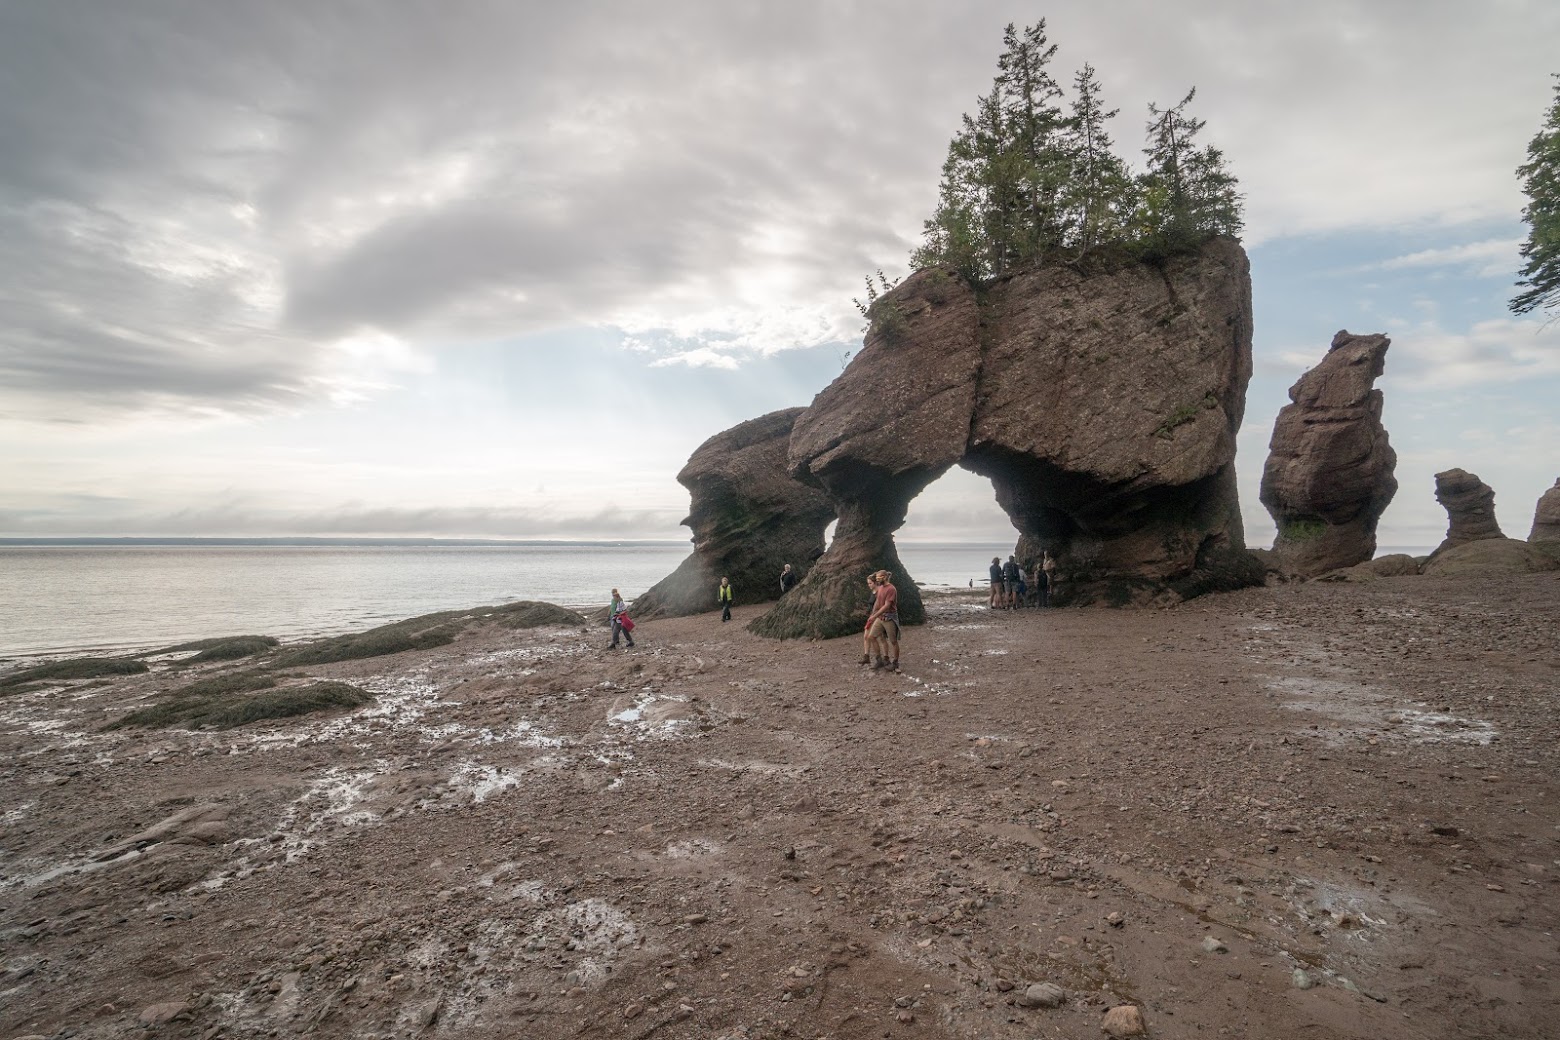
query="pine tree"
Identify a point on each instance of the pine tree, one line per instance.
(1187, 194)
(1099, 189)
(1541, 183)
(1034, 150)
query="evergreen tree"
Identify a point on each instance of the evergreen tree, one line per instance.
(1541, 252)
(1098, 193)
(1022, 178)
(1034, 152)
(1187, 194)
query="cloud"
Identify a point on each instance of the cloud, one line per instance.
(202, 207)
(702, 357)
(1492, 258)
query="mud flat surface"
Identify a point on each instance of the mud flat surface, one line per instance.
(1312, 811)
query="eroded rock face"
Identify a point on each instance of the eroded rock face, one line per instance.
(1546, 521)
(749, 519)
(1103, 405)
(1328, 476)
(1470, 508)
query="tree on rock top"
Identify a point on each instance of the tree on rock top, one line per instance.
(1023, 178)
(1541, 252)
(1187, 194)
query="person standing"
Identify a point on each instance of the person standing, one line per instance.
(1048, 568)
(996, 582)
(867, 642)
(787, 579)
(1010, 582)
(621, 625)
(883, 622)
(723, 596)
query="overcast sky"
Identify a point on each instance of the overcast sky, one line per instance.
(496, 269)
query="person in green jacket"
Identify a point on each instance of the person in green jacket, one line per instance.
(723, 596)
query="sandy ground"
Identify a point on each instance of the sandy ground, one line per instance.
(1311, 811)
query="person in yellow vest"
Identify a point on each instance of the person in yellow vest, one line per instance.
(723, 595)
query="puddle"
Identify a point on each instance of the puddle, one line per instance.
(1358, 711)
(648, 717)
(481, 782)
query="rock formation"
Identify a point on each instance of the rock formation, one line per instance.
(1488, 556)
(1103, 404)
(749, 519)
(1546, 522)
(1328, 476)
(1470, 508)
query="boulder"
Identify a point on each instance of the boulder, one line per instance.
(1546, 522)
(1489, 556)
(749, 519)
(1102, 400)
(1328, 476)
(1470, 508)
(1395, 565)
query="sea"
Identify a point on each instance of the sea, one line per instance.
(120, 596)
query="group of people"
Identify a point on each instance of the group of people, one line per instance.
(724, 591)
(1012, 588)
(880, 638)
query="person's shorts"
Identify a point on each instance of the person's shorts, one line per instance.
(1010, 587)
(883, 628)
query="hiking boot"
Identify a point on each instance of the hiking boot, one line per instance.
(893, 666)
(865, 659)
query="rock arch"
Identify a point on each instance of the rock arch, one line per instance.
(1102, 400)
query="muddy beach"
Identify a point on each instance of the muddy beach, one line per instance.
(1317, 810)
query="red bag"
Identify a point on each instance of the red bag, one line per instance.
(624, 622)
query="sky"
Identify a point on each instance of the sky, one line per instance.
(496, 269)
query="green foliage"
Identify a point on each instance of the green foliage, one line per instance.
(1303, 529)
(1023, 181)
(79, 668)
(882, 313)
(1541, 183)
(1185, 414)
(1187, 194)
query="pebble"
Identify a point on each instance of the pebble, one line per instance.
(1212, 945)
(1124, 1020)
(1302, 980)
(1043, 995)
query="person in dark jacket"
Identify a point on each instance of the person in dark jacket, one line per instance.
(787, 579)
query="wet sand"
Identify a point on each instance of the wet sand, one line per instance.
(1315, 810)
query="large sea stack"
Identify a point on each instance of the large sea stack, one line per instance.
(1470, 508)
(749, 519)
(1328, 476)
(1102, 399)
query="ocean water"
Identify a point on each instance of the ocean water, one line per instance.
(58, 598)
